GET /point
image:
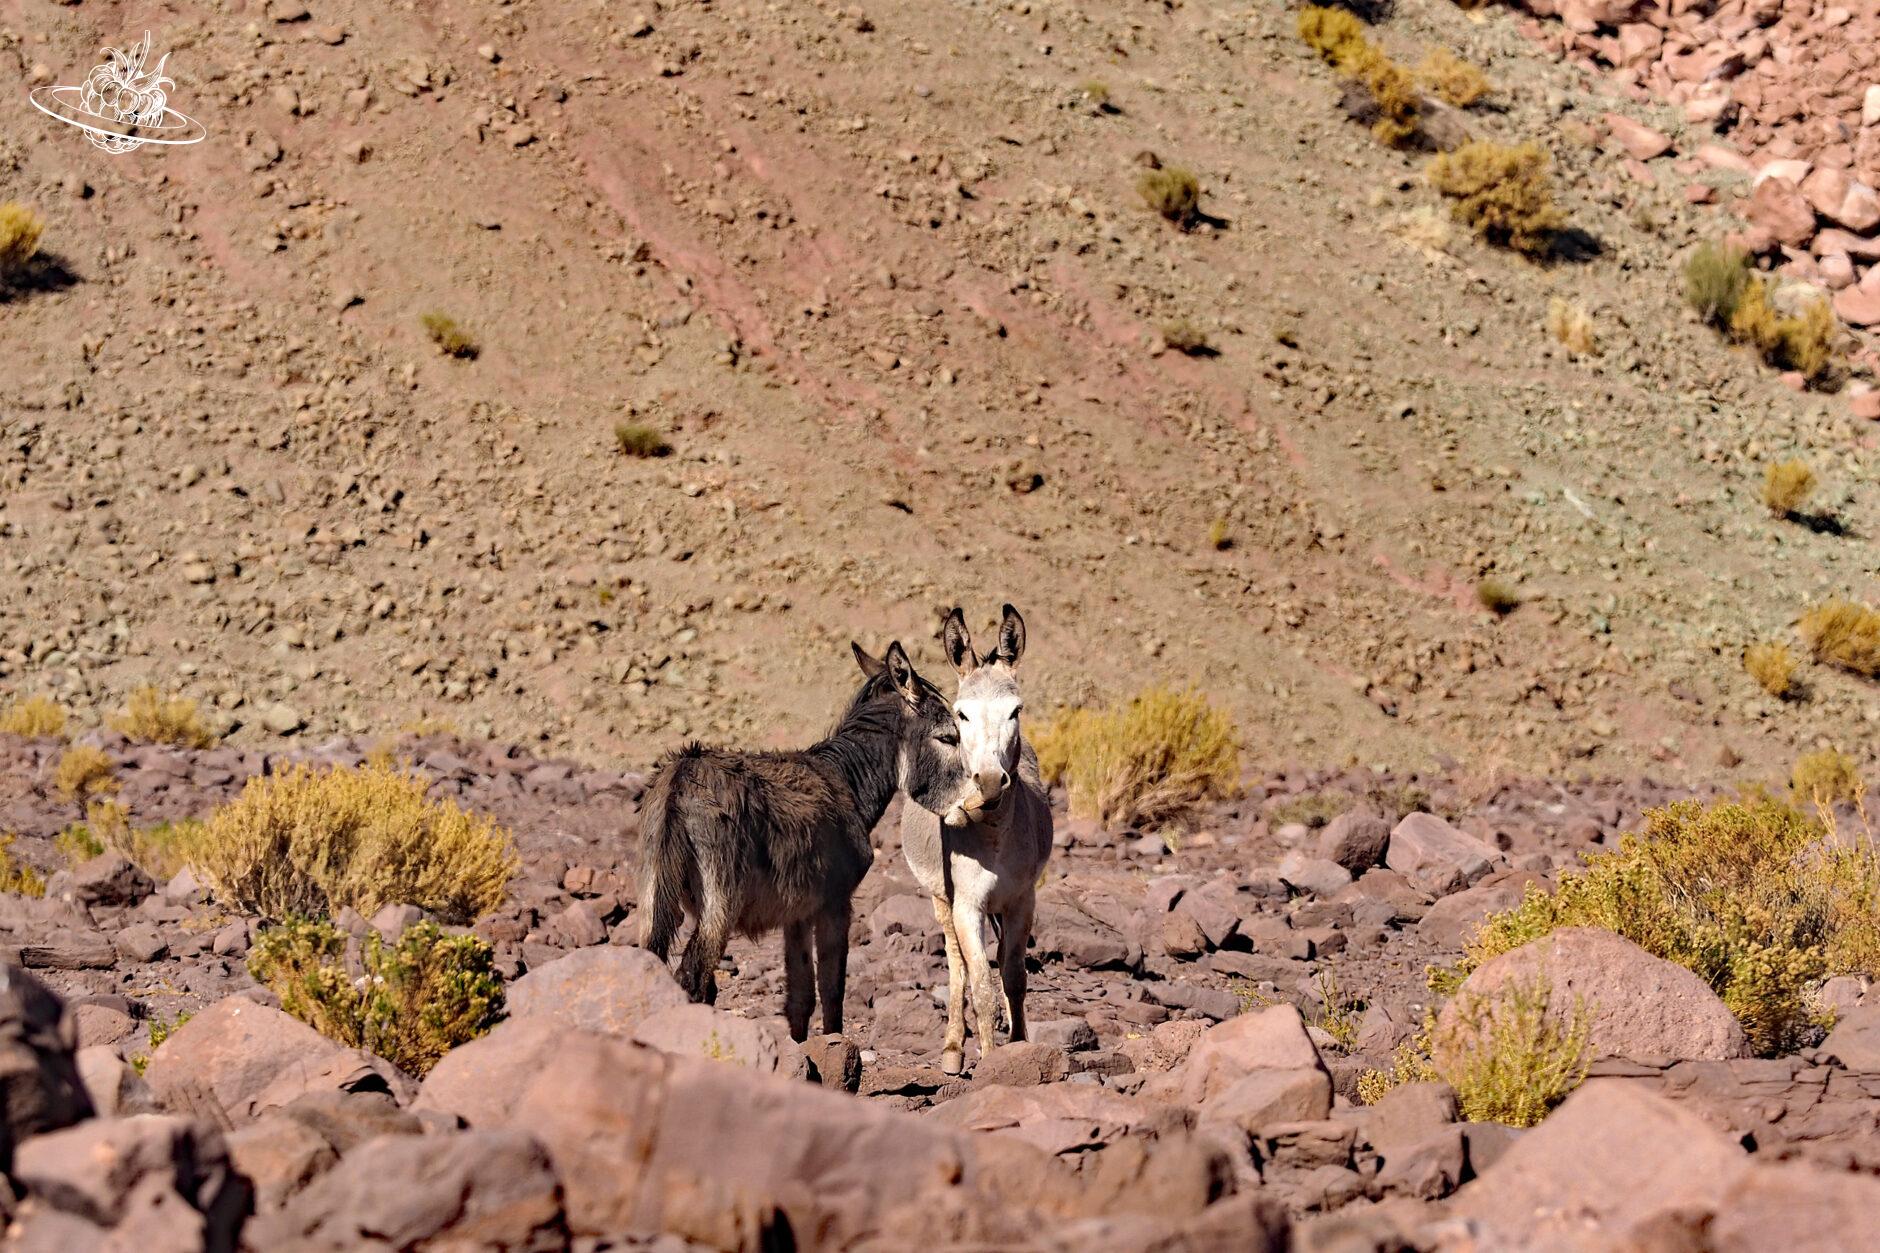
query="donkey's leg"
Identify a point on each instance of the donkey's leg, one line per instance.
(953, 1051)
(799, 979)
(698, 970)
(970, 925)
(1014, 931)
(832, 963)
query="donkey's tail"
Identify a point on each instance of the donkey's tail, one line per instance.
(664, 855)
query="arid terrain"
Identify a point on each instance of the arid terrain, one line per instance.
(878, 289)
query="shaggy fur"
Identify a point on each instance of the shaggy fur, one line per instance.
(756, 841)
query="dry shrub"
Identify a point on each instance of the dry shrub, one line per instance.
(636, 439)
(1773, 666)
(417, 999)
(84, 774)
(1426, 229)
(451, 339)
(1757, 898)
(1572, 325)
(1787, 486)
(152, 718)
(1511, 1057)
(1220, 538)
(1715, 277)
(1826, 777)
(1147, 763)
(1173, 192)
(1394, 92)
(1453, 80)
(1499, 598)
(1333, 33)
(1501, 191)
(36, 718)
(308, 843)
(1803, 343)
(1843, 633)
(1186, 338)
(16, 877)
(20, 230)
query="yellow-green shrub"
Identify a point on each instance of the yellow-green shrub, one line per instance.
(1773, 666)
(84, 773)
(1757, 898)
(1715, 277)
(1826, 777)
(1572, 325)
(1508, 1057)
(636, 439)
(1843, 633)
(418, 998)
(20, 229)
(36, 717)
(1501, 191)
(1334, 34)
(1173, 192)
(1787, 486)
(1453, 80)
(1803, 343)
(153, 718)
(16, 876)
(1145, 763)
(1498, 597)
(451, 339)
(1394, 92)
(307, 843)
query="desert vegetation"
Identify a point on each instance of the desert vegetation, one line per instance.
(1144, 763)
(1723, 290)
(1453, 80)
(450, 337)
(84, 774)
(1843, 633)
(20, 232)
(1498, 596)
(16, 876)
(35, 717)
(153, 718)
(411, 1001)
(1338, 37)
(1173, 192)
(1787, 485)
(1772, 665)
(1572, 325)
(1501, 191)
(636, 439)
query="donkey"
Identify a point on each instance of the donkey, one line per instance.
(757, 841)
(984, 857)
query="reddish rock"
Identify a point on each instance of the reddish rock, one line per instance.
(1274, 1038)
(1356, 840)
(1778, 206)
(1857, 306)
(715, 1035)
(1264, 1099)
(1842, 200)
(280, 1156)
(40, 1087)
(1797, 1207)
(1639, 140)
(1431, 851)
(103, 1169)
(477, 1082)
(597, 989)
(1063, 1118)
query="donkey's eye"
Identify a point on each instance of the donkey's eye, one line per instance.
(948, 737)
(961, 714)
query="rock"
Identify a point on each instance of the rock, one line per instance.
(1857, 306)
(1428, 1167)
(1639, 140)
(98, 1169)
(237, 1059)
(40, 1087)
(1638, 1006)
(1429, 850)
(1453, 919)
(282, 719)
(140, 943)
(466, 1190)
(1847, 202)
(1316, 875)
(715, 1035)
(101, 1024)
(1062, 1119)
(392, 921)
(1263, 1099)
(1023, 1065)
(279, 1156)
(1408, 1113)
(609, 990)
(1778, 206)
(577, 926)
(110, 879)
(113, 1084)
(836, 1062)
(1792, 1206)
(1269, 1039)
(1073, 1035)
(348, 1119)
(1612, 1156)
(478, 1082)
(1855, 1040)
(1356, 840)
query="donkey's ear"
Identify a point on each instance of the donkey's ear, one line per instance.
(901, 674)
(1011, 638)
(958, 644)
(871, 666)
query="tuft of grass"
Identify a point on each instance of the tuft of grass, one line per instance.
(20, 232)
(79, 843)
(1314, 811)
(1804, 343)
(1755, 897)
(1715, 277)
(35, 718)
(153, 718)
(84, 774)
(1572, 325)
(159, 1032)
(308, 843)
(418, 999)
(1501, 191)
(1335, 34)
(1337, 1015)
(1825, 778)
(1511, 1057)
(1787, 486)
(1145, 763)
(1394, 90)
(1843, 633)
(1173, 192)
(1096, 92)
(451, 339)
(1220, 538)
(17, 877)
(1773, 666)
(1453, 80)
(1186, 338)
(636, 439)
(1498, 597)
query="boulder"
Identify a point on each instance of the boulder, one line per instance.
(279, 1156)
(1797, 1207)
(237, 1059)
(40, 1087)
(1613, 1158)
(1356, 840)
(113, 1084)
(1025, 1064)
(1778, 206)
(1640, 141)
(478, 1082)
(1841, 199)
(110, 879)
(700, 1031)
(1272, 1039)
(464, 1190)
(1638, 1006)
(1063, 1119)
(101, 1169)
(1432, 852)
(1262, 1099)
(1855, 1040)
(605, 989)
(1316, 875)
(1454, 918)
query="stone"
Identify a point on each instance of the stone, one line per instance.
(1269, 1039)
(1855, 1040)
(1431, 851)
(1453, 919)
(110, 879)
(1778, 206)
(1263, 1099)
(716, 1035)
(603, 989)
(1356, 840)
(1427, 1167)
(478, 1082)
(1788, 1206)
(1845, 201)
(282, 719)
(101, 1024)
(40, 1087)
(1638, 1006)
(280, 1156)
(96, 1169)
(1857, 306)
(1316, 875)
(1639, 140)
(1023, 1065)
(1062, 1119)
(113, 1084)
(836, 1061)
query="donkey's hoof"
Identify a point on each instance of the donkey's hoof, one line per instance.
(952, 1062)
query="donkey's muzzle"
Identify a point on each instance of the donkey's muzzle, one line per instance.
(991, 785)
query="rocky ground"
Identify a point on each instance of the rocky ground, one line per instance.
(1184, 1083)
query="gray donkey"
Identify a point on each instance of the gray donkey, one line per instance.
(756, 841)
(983, 860)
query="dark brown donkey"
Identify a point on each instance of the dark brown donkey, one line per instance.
(755, 841)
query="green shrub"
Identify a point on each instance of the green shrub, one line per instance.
(307, 843)
(417, 999)
(1173, 192)
(16, 876)
(1509, 1056)
(451, 339)
(636, 439)
(1757, 898)
(1146, 763)
(84, 774)
(1501, 191)
(1715, 277)
(1773, 666)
